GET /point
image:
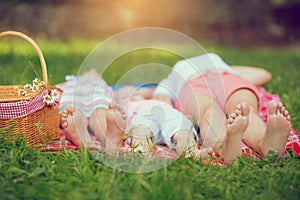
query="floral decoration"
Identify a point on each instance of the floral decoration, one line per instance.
(51, 98)
(34, 87)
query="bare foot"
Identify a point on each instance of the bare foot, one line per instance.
(75, 125)
(116, 125)
(118, 112)
(141, 139)
(187, 147)
(278, 129)
(202, 153)
(237, 123)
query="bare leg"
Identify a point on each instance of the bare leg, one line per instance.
(75, 124)
(141, 139)
(210, 119)
(97, 123)
(257, 76)
(187, 146)
(116, 125)
(236, 125)
(278, 129)
(256, 129)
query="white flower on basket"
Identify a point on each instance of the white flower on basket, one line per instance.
(55, 94)
(35, 88)
(42, 83)
(21, 92)
(48, 99)
(27, 87)
(35, 82)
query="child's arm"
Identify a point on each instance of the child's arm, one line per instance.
(257, 76)
(146, 92)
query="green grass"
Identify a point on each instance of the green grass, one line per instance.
(31, 174)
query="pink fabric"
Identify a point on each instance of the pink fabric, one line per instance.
(293, 143)
(219, 86)
(21, 109)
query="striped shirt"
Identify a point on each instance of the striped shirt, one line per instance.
(85, 93)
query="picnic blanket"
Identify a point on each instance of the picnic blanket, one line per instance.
(292, 146)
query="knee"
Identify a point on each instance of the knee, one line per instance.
(242, 95)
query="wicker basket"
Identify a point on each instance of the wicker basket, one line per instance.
(28, 115)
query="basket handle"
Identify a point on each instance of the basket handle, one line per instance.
(36, 48)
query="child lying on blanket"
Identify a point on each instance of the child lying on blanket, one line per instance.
(76, 123)
(153, 121)
(213, 95)
(84, 104)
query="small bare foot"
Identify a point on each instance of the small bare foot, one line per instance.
(141, 139)
(117, 112)
(278, 129)
(203, 154)
(237, 123)
(116, 125)
(75, 125)
(142, 145)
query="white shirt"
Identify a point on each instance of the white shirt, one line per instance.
(184, 69)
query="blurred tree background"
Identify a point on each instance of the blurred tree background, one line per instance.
(237, 22)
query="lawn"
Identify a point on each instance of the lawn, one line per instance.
(32, 174)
